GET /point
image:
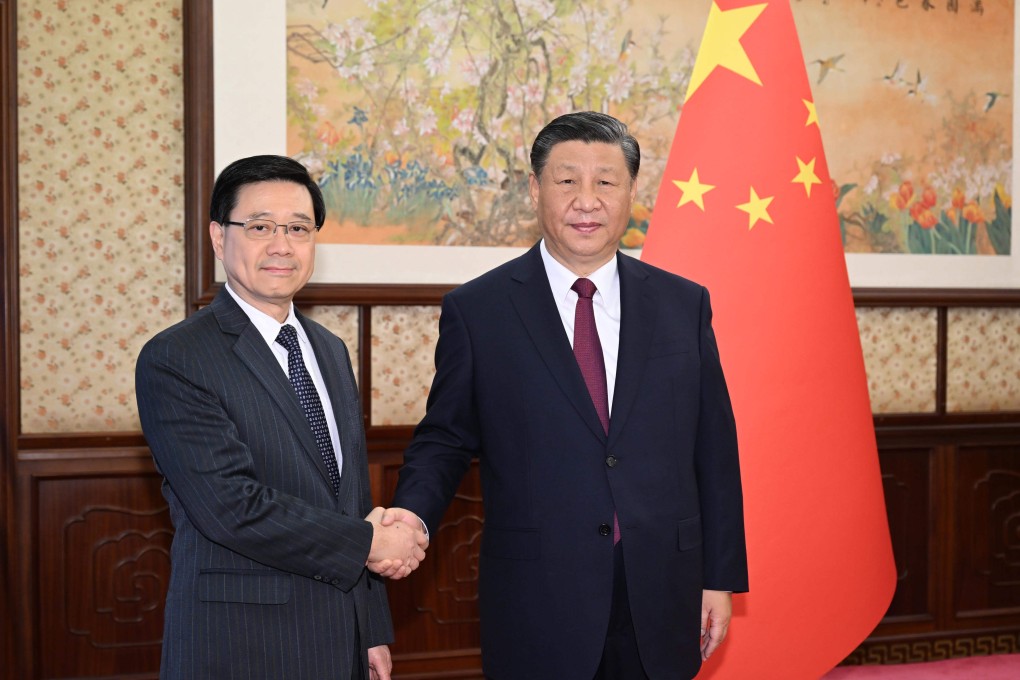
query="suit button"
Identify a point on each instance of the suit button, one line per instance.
(317, 577)
(605, 529)
(611, 461)
(335, 581)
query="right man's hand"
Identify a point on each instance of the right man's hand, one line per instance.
(397, 547)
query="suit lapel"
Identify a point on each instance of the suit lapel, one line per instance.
(534, 303)
(343, 399)
(637, 324)
(251, 349)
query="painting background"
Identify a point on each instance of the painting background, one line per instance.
(417, 115)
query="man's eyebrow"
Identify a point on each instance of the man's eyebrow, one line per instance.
(300, 216)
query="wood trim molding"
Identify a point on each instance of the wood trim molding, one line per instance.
(80, 440)
(198, 152)
(937, 297)
(9, 358)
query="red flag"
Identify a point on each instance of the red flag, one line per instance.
(746, 208)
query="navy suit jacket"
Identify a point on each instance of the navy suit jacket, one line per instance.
(509, 391)
(268, 565)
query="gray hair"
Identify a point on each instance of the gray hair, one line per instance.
(587, 127)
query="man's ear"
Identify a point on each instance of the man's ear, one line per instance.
(216, 236)
(533, 185)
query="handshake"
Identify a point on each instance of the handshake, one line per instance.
(398, 542)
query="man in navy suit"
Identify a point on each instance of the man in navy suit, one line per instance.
(253, 418)
(607, 447)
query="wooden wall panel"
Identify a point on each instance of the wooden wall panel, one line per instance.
(95, 565)
(986, 492)
(96, 534)
(953, 499)
(435, 611)
(906, 479)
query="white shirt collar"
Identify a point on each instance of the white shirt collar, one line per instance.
(606, 279)
(267, 326)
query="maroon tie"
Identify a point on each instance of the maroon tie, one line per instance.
(588, 352)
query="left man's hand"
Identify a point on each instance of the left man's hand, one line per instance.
(387, 556)
(716, 610)
(379, 663)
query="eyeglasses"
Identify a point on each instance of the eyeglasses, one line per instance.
(259, 229)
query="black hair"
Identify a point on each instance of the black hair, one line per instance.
(587, 127)
(261, 169)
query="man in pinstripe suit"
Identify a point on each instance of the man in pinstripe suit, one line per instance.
(271, 557)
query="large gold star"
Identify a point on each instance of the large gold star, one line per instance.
(806, 175)
(812, 115)
(757, 209)
(693, 191)
(721, 45)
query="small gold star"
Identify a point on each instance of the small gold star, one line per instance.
(756, 208)
(806, 175)
(812, 115)
(693, 191)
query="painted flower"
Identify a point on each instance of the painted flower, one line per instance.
(901, 199)
(926, 218)
(929, 197)
(327, 134)
(463, 122)
(872, 184)
(1004, 198)
(533, 92)
(438, 61)
(633, 238)
(474, 68)
(972, 213)
(578, 79)
(619, 85)
(427, 122)
(359, 118)
(959, 199)
(306, 88)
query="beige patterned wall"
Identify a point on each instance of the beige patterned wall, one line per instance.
(403, 362)
(343, 322)
(100, 110)
(100, 138)
(983, 357)
(899, 346)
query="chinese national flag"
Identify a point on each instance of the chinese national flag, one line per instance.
(746, 208)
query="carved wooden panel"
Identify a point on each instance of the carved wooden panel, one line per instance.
(95, 568)
(94, 564)
(435, 610)
(987, 564)
(906, 480)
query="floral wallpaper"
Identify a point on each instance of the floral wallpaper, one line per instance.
(100, 182)
(983, 360)
(899, 345)
(101, 191)
(343, 322)
(403, 362)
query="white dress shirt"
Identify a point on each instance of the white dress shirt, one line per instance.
(606, 303)
(269, 329)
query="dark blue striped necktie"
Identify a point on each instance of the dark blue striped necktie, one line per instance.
(310, 402)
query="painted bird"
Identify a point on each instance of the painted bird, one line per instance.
(915, 87)
(896, 74)
(827, 65)
(992, 97)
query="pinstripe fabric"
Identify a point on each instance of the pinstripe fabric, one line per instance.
(268, 574)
